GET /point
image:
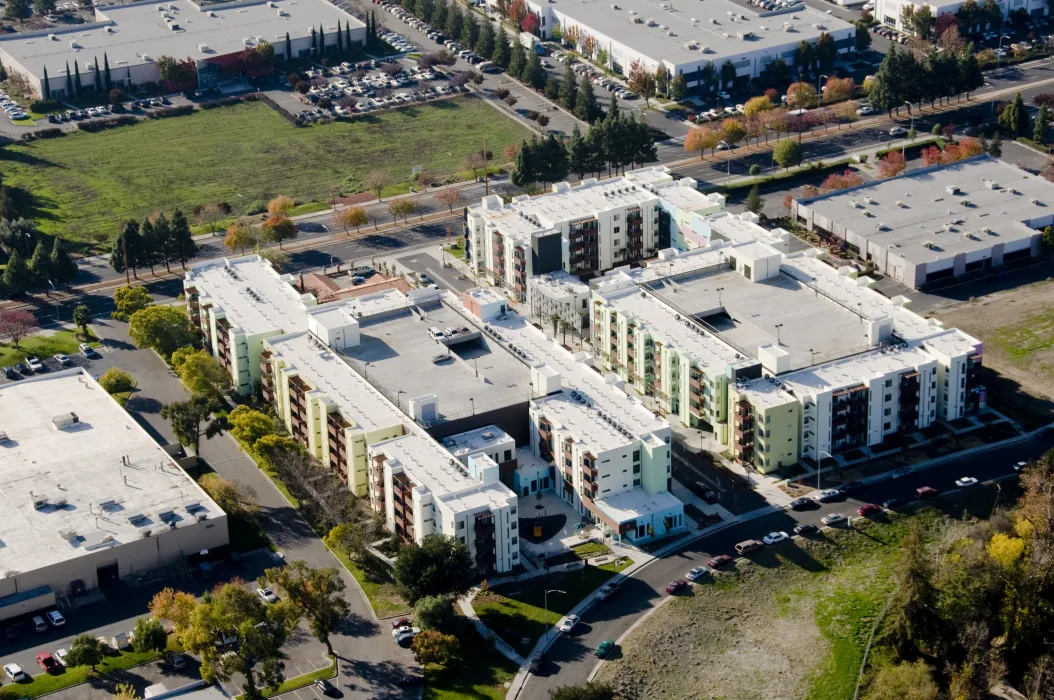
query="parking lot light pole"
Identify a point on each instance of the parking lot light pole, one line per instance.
(545, 600)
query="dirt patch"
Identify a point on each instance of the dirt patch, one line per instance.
(1017, 328)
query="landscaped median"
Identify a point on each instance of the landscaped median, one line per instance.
(45, 683)
(517, 613)
(298, 682)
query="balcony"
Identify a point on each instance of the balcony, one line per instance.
(744, 435)
(589, 471)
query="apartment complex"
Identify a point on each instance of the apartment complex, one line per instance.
(559, 294)
(525, 472)
(939, 224)
(582, 230)
(89, 497)
(783, 357)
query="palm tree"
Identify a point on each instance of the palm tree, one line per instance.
(555, 320)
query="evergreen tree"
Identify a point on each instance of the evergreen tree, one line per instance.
(17, 278)
(970, 75)
(181, 242)
(439, 14)
(594, 147)
(644, 149)
(314, 42)
(321, 40)
(69, 81)
(884, 94)
(347, 35)
(552, 87)
(63, 267)
(76, 77)
(373, 25)
(47, 85)
(1039, 131)
(1014, 118)
(524, 170)
(568, 90)
(553, 161)
(679, 86)
(533, 73)
(485, 40)
(502, 51)
(40, 266)
(453, 21)
(163, 241)
(995, 149)
(517, 60)
(709, 76)
(289, 46)
(613, 110)
(577, 155)
(150, 246)
(586, 107)
(469, 30)
(106, 82)
(98, 76)
(340, 40)
(126, 253)
(754, 201)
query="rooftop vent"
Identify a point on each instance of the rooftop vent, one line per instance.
(1034, 201)
(53, 37)
(3, 438)
(64, 420)
(203, 48)
(992, 185)
(951, 189)
(74, 44)
(38, 501)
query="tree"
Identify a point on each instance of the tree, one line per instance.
(970, 75)
(568, 89)
(517, 60)
(586, 107)
(587, 691)
(401, 207)
(40, 266)
(279, 228)
(578, 157)
(16, 324)
(904, 681)
(124, 691)
(17, 277)
(801, 95)
(863, 36)
(701, 139)
(200, 372)
(181, 245)
(81, 319)
(127, 251)
(732, 131)
(62, 267)
(525, 169)
(317, 594)
(475, 162)
(241, 235)
(841, 181)
(192, 419)
(552, 87)
(377, 181)
(149, 635)
(85, 651)
(995, 148)
(450, 198)
(232, 497)
(248, 425)
(351, 216)
(837, 89)
(642, 81)
(212, 214)
(787, 153)
(826, 51)
(432, 647)
(502, 51)
(754, 201)
(756, 105)
(127, 300)
(281, 204)
(913, 621)
(892, 164)
(678, 87)
(486, 39)
(261, 630)
(1039, 127)
(530, 23)
(162, 328)
(1014, 118)
(728, 74)
(434, 612)
(439, 566)
(16, 9)
(116, 381)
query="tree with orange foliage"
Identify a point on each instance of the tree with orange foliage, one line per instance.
(841, 181)
(700, 140)
(280, 205)
(837, 89)
(279, 228)
(892, 164)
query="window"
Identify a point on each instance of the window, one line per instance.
(616, 242)
(636, 482)
(460, 524)
(508, 455)
(636, 469)
(887, 412)
(887, 426)
(889, 383)
(617, 229)
(515, 556)
(889, 397)
(515, 525)
(513, 511)
(616, 217)
(513, 540)
(768, 419)
(636, 455)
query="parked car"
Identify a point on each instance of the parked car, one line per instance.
(48, 663)
(926, 492)
(55, 618)
(607, 591)
(832, 519)
(825, 495)
(267, 594)
(805, 529)
(87, 350)
(23, 369)
(15, 673)
(775, 537)
(534, 662)
(441, 358)
(63, 360)
(60, 656)
(567, 624)
(1019, 466)
(719, 561)
(721, 94)
(675, 587)
(604, 648)
(892, 503)
(865, 110)
(801, 503)
(325, 687)
(177, 660)
(898, 131)
(966, 481)
(868, 509)
(35, 365)
(697, 573)
(748, 546)
(10, 373)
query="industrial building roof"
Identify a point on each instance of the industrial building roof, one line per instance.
(938, 212)
(141, 32)
(324, 369)
(79, 474)
(712, 31)
(256, 298)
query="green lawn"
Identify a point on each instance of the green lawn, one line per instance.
(457, 251)
(516, 611)
(236, 154)
(587, 550)
(44, 683)
(308, 208)
(1021, 340)
(379, 589)
(481, 677)
(43, 346)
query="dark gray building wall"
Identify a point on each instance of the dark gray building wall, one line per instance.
(547, 253)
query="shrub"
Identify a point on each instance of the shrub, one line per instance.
(172, 112)
(755, 169)
(501, 93)
(256, 206)
(44, 106)
(510, 100)
(532, 115)
(324, 103)
(302, 87)
(116, 381)
(542, 120)
(863, 158)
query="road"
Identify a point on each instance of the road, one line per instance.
(570, 660)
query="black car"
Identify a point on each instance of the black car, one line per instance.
(52, 119)
(10, 634)
(892, 503)
(23, 368)
(10, 373)
(802, 503)
(805, 529)
(410, 681)
(850, 487)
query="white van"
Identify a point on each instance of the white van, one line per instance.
(436, 333)
(39, 625)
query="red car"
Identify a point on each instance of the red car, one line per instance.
(719, 561)
(925, 492)
(868, 509)
(400, 622)
(675, 587)
(48, 663)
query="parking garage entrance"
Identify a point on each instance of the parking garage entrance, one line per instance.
(108, 575)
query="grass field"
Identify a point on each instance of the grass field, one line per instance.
(236, 154)
(42, 346)
(516, 611)
(481, 677)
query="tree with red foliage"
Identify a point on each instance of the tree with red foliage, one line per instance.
(931, 155)
(841, 181)
(530, 23)
(892, 164)
(15, 325)
(517, 11)
(1044, 99)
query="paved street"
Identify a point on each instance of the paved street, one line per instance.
(570, 660)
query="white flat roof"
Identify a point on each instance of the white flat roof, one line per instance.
(583, 420)
(904, 213)
(715, 28)
(567, 203)
(357, 399)
(477, 440)
(854, 370)
(486, 295)
(137, 33)
(81, 463)
(637, 503)
(256, 298)
(686, 197)
(558, 284)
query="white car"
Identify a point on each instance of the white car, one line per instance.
(833, 519)
(966, 481)
(567, 624)
(724, 95)
(898, 131)
(63, 360)
(1019, 466)
(267, 594)
(775, 537)
(55, 618)
(35, 364)
(865, 110)
(61, 655)
(697, 573)
(15, 672)
(824, 496)
(404, 631)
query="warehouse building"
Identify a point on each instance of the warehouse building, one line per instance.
(934, 225)
(89, 497)
(891, 12)
(130, 38)
(685, 38)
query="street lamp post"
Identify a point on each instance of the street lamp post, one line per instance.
(545, 599)
(904, 146)
(998, 56)
(819, 463)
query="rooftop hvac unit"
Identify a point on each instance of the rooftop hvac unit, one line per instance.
(60, 502)
(282, 13)
(247, 41)
(174, 27)
(38, 501)
(74, 44)
(992, 185)
(638, 20)
(201, 516)
(203, 48)
(670, 33)
(1011, 190)
(64, 420)
(951, 189)
(53, 37)
(212, 14)
(145, 532)
(111, 30)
